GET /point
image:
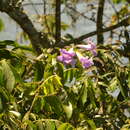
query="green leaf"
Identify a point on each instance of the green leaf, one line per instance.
(91, 93)
(4, 94)
(24, 47)
(1, 25)
(30, 125)
(113, 84)
(55, 104)
(16, 75)
(129, 79)
(123, 91)
(40, 125)
(38, 70)
(83, 94)
(1, 105)
(64, 26)
(17, 114)
(65, 126)
(4, 43)
(1, 77)
(92, 124)
(50, 125)
(39, 104)
(51, 84)
(5, 54)
(8, 42)
(68, 110)
(70, 76)
(8, 75)
(59, 69)
(48, 71)
(5, 98)
(118, 1)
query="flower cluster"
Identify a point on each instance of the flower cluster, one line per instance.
(69, 57)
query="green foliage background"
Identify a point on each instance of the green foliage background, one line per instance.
(40, 93)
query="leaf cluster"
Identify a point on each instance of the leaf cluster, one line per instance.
(41, 93)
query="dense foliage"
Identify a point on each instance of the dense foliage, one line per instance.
(82, 86)
(42, 93)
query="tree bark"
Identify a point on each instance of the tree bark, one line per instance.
(58, 21)
(99, 23)
(38, 40)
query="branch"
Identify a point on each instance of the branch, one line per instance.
(99, 23)
(125, 22)
(81, 14)
(58, 21)
(128, 1)
(37, 39)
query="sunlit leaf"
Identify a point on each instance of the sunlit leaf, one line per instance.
(48, 71)
(68, 110)
(92, 124)
(70, 76)
(113, 84)
(17, 114)
(83, 94)
(65, 126)
(1, 25)
(50, 125)
(51, 85)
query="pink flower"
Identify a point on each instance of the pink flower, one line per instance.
(90, 47)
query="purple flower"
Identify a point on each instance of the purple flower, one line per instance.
(67, 57)
(86, 62)
(94, 52)
(60, 58)
(69, 53)
(91, 47)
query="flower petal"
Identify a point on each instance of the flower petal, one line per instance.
(87, 47)
(86, 62)
(60, 58)
(70, 52)
(94, 52)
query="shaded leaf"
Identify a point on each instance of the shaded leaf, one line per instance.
(83, 94)
(8, 75)
(70, 76)
(55, 104)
